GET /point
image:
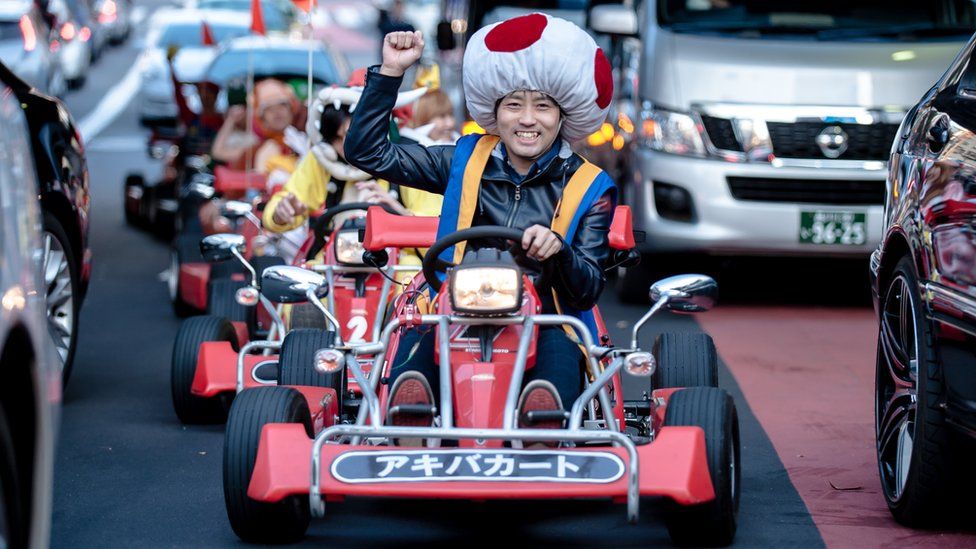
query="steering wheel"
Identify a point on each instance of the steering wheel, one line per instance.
(321, 226)
(432, 263)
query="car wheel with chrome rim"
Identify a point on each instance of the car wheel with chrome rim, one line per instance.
(60, 274)
(912, 438)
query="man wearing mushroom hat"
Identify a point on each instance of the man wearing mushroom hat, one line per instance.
(535, 83)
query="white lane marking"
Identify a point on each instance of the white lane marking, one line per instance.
(111, 106)
(138, 15)
(118, 98)
(118, 143)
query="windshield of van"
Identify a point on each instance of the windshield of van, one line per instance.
(872, 20)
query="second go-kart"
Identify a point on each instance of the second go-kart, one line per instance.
(214, 356)
(290, 449)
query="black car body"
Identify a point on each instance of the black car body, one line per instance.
(62, 173)
(924, 281)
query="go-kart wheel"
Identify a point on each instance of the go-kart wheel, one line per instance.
(712, 523)
(296, 363)
(685, 359)
(222, 301)
(306, 315)
(135, 186)
(186, 249)
(190, 408)
(919, 461)
(257, 522)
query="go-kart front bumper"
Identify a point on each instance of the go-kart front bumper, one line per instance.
(674, 465)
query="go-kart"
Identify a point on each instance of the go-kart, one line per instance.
(156, 205)
(215, 358)
(288, 443)
(195, 286)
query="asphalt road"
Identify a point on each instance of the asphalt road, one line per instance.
(128, 474)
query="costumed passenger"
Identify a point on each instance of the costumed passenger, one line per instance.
(323, 178)
(535, 83)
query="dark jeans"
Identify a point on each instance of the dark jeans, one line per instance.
(557, 360)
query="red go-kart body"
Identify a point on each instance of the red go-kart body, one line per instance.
(475, 453)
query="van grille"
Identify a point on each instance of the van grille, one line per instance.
(799, 140)
(808, 191)
(720, 133)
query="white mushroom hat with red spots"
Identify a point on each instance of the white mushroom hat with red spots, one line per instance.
(542, 53)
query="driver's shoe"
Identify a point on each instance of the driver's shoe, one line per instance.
(411, 405)
(540, 398)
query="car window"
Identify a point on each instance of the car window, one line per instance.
(191, 34)
(9, 30)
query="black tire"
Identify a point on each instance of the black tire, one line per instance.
(162, 220)
(186, 249)
(261, 263)
(55, 229)
(190, 408)
(685, 359)
(252, 521)
(134, 189)
(222, 301)
(13, 526)
(308, 316)
(76, 83)
(712, 523)
(931, 495)
(296, 363)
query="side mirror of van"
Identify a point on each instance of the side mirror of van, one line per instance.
(614, 19)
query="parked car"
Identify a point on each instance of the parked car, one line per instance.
(74, 41)
(62, 175)
(924, 281)
(182, 29)
(30, 393)
(115, 16)
(763, 127)
(25, 40)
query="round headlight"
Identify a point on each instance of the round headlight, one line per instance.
(489, 290)
(328, 361)
(640, 364)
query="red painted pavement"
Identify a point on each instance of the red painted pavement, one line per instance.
(808, 375)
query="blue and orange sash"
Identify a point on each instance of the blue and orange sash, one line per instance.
(471, 155)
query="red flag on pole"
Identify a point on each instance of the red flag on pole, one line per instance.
(257, 18)
(208, 39)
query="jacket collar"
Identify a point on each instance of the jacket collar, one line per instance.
(500, 169)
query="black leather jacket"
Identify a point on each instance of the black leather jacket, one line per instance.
(575, 272)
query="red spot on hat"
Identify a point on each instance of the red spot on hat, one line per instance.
(517, 33)
(603, 77)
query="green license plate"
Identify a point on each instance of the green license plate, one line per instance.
(833, 227)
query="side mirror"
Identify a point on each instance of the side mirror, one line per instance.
(290, 284)
(445, 36)
(614, 19)
(691, 293)
(234, 209)
(221, 247)
(202, 190)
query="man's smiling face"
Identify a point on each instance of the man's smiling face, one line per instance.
(528, 123)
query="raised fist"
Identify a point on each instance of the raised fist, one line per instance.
(400, 51)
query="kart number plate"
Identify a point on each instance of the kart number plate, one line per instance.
(833, 227)
(477, 465)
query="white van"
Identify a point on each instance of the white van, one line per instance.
(763, 127)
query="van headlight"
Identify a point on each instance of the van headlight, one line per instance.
(348, 249)
(486, 290)
(671, 132)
